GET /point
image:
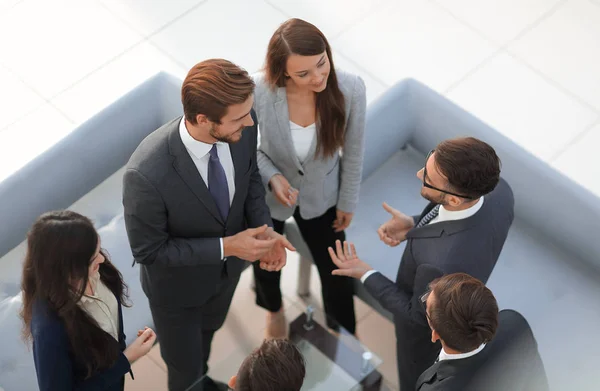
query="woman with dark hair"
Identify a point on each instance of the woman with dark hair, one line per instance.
(72, 297)
(311, 120)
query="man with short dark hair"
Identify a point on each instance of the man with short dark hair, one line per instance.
(463, 229)
(277, 365)
(481, 348)
(195, 212)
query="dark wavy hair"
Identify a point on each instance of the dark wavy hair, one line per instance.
(296, 36)
(60, 248)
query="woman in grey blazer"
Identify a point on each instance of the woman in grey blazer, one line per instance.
(311, 122)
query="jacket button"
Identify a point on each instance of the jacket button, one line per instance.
(300, 172)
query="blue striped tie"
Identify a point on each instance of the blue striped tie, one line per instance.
(429, 216)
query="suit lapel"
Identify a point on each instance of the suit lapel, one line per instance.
(427, 376)
(187, 170)
(241, 164)
(283, 120)
(436, 230)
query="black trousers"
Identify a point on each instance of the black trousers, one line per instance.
(185, 335)
(338, 292)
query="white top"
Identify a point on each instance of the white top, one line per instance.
(199, 152)
(447, 356)
(102, 306)
(302, 138)
(444, 215)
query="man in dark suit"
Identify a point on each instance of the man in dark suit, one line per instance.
(195, 212)
(481, 349)
(463, 229)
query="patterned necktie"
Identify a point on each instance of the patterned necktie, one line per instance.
(429, 216)
(217, 183)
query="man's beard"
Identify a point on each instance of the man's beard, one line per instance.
(224, 139)
(441, 199)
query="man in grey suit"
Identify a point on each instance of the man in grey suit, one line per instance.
(463, 229)
(195, 212)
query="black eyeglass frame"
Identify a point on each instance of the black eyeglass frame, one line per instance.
(425, 184)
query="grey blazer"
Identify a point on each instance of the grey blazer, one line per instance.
(173, 223)
(322, 182)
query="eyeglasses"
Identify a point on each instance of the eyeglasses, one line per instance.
(433, 187)
(423, 302)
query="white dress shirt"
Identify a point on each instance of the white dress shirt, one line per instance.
(302, 138)
(102, 306)
(447, 356)
(199, 152)
(443, 215)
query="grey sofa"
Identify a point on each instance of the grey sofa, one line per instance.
(82, 172)
(549, 269)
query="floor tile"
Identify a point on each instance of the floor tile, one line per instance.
(499, 20)
(148, 376)
(319, 13)
(115, 79)
(70, 39)
(154, 355)
(31, 136)
(148, 16)
(375, 88)
(5, 5)
(378, 334)
(580, 161)
(236, 30)
(564, 47)
(414, 39)
(523, 106)
(16, 99)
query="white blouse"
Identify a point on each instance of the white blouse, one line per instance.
(102, 306)
(302, 138)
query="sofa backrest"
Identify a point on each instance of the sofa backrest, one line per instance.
(562, 210)
(84, 158)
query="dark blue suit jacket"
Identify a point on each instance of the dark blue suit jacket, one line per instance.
(54, 363)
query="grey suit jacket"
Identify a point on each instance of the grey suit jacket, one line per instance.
(510, 361)
(322, 182)
(172, 221)
(471, 246)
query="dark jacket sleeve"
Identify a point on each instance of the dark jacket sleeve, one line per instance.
(400, 303)
(54, 367)
(146, 224)
(256, 209)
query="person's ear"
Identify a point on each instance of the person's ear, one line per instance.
(201, 119)
(232, 382)
(435, 336)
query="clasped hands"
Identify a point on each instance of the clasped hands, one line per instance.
(392, 233)
(260, 244)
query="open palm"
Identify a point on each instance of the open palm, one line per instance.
(347, 261)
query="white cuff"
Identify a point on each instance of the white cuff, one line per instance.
(366, 275)
(222, 255)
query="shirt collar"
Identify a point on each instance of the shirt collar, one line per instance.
(95, 282)
(448, 215)
(448, 356)
(194, 147)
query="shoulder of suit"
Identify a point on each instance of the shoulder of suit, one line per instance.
(261, 86)
(153, 148)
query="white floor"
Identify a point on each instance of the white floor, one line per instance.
(530, 68)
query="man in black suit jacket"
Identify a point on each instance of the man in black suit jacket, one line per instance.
(481, 349)
(195, 212)
(463, 229)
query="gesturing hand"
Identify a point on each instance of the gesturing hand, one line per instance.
(393, 232)
(276, 258)
(342, 220)
(347, 261)
(283, 191)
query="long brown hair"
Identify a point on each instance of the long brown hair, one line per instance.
(296, 36)
(60, 247)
